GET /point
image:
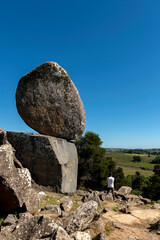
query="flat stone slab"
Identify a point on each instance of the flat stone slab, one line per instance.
(146, 214)
(51, 161)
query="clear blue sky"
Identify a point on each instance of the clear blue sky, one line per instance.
(111, 50)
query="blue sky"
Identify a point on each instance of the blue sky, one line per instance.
(111, 50)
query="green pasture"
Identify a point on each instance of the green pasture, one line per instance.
(125, 160)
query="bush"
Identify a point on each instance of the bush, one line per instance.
(137, 159)
(156, 160)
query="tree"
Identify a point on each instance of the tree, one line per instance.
(136, 158)
(156, 160)
(152, 190)
(119, 177)
(94, 166)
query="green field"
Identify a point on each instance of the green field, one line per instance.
(125, 160)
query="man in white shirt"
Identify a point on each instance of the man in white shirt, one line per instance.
(111, 185)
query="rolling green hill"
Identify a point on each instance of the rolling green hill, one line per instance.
(125, 160)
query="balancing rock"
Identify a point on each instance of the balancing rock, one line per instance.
(48, 101)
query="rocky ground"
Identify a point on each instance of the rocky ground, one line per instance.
(86, 215)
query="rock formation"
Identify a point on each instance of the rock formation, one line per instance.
(51, 161)
(15, 185)
(48, 101)
(81, 218)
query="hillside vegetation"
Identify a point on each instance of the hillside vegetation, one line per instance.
(125, 161)
(133, 168)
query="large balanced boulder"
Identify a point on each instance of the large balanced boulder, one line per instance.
(48, 101)
(15, 185)
(51, 161)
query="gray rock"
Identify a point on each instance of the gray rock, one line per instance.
(15, 190)
(48, 101)
(51, 161)
(35, 228)
(6, 235)
(156, 206)
(52, 209)
(80, 219)
(80, 236)
(92, 196)
(106, 197)
(9, 223)
(9, 220)
(60, 234)
(100, 236)
(124, 190)
(42, 194)
(66, 204)
(146, 200)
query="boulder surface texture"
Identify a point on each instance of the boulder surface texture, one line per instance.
(48, 101)
(80, 218)
(51, 161)
(15, 185)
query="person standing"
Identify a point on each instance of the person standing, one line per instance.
(111, 185)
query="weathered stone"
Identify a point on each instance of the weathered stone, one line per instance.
(146, 200)
(81, 217)
(125, 190)
(80, 236)
(6, 235)
(66, 204)
(106, 197)
(9, 220)
(92, 196)
(60, 234)
(15, 189)
(51, 161)
(100, 236)
(52, 209)
(48, 101)
(42, 194)
(9, 223)
(36, 227)
(156, 206)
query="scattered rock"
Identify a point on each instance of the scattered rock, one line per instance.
(60, 234)
(106, 197)
(92, 196)
(35, 227)
(6, 235)
(15, 188)
(155, 226)
(9, 220)
(48, 101)
(100, 236)
(52, 209)
(80, 236)
(42, 194)
(125, 190)
(80, 218)
(67, 204)
(156, 206)
(9, 223)
(146, 200)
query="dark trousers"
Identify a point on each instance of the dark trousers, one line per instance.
(112, 191)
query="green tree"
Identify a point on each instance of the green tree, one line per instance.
(152, 190)
(136, 158)
(94, 166)
(119, 177)
(156, 160)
